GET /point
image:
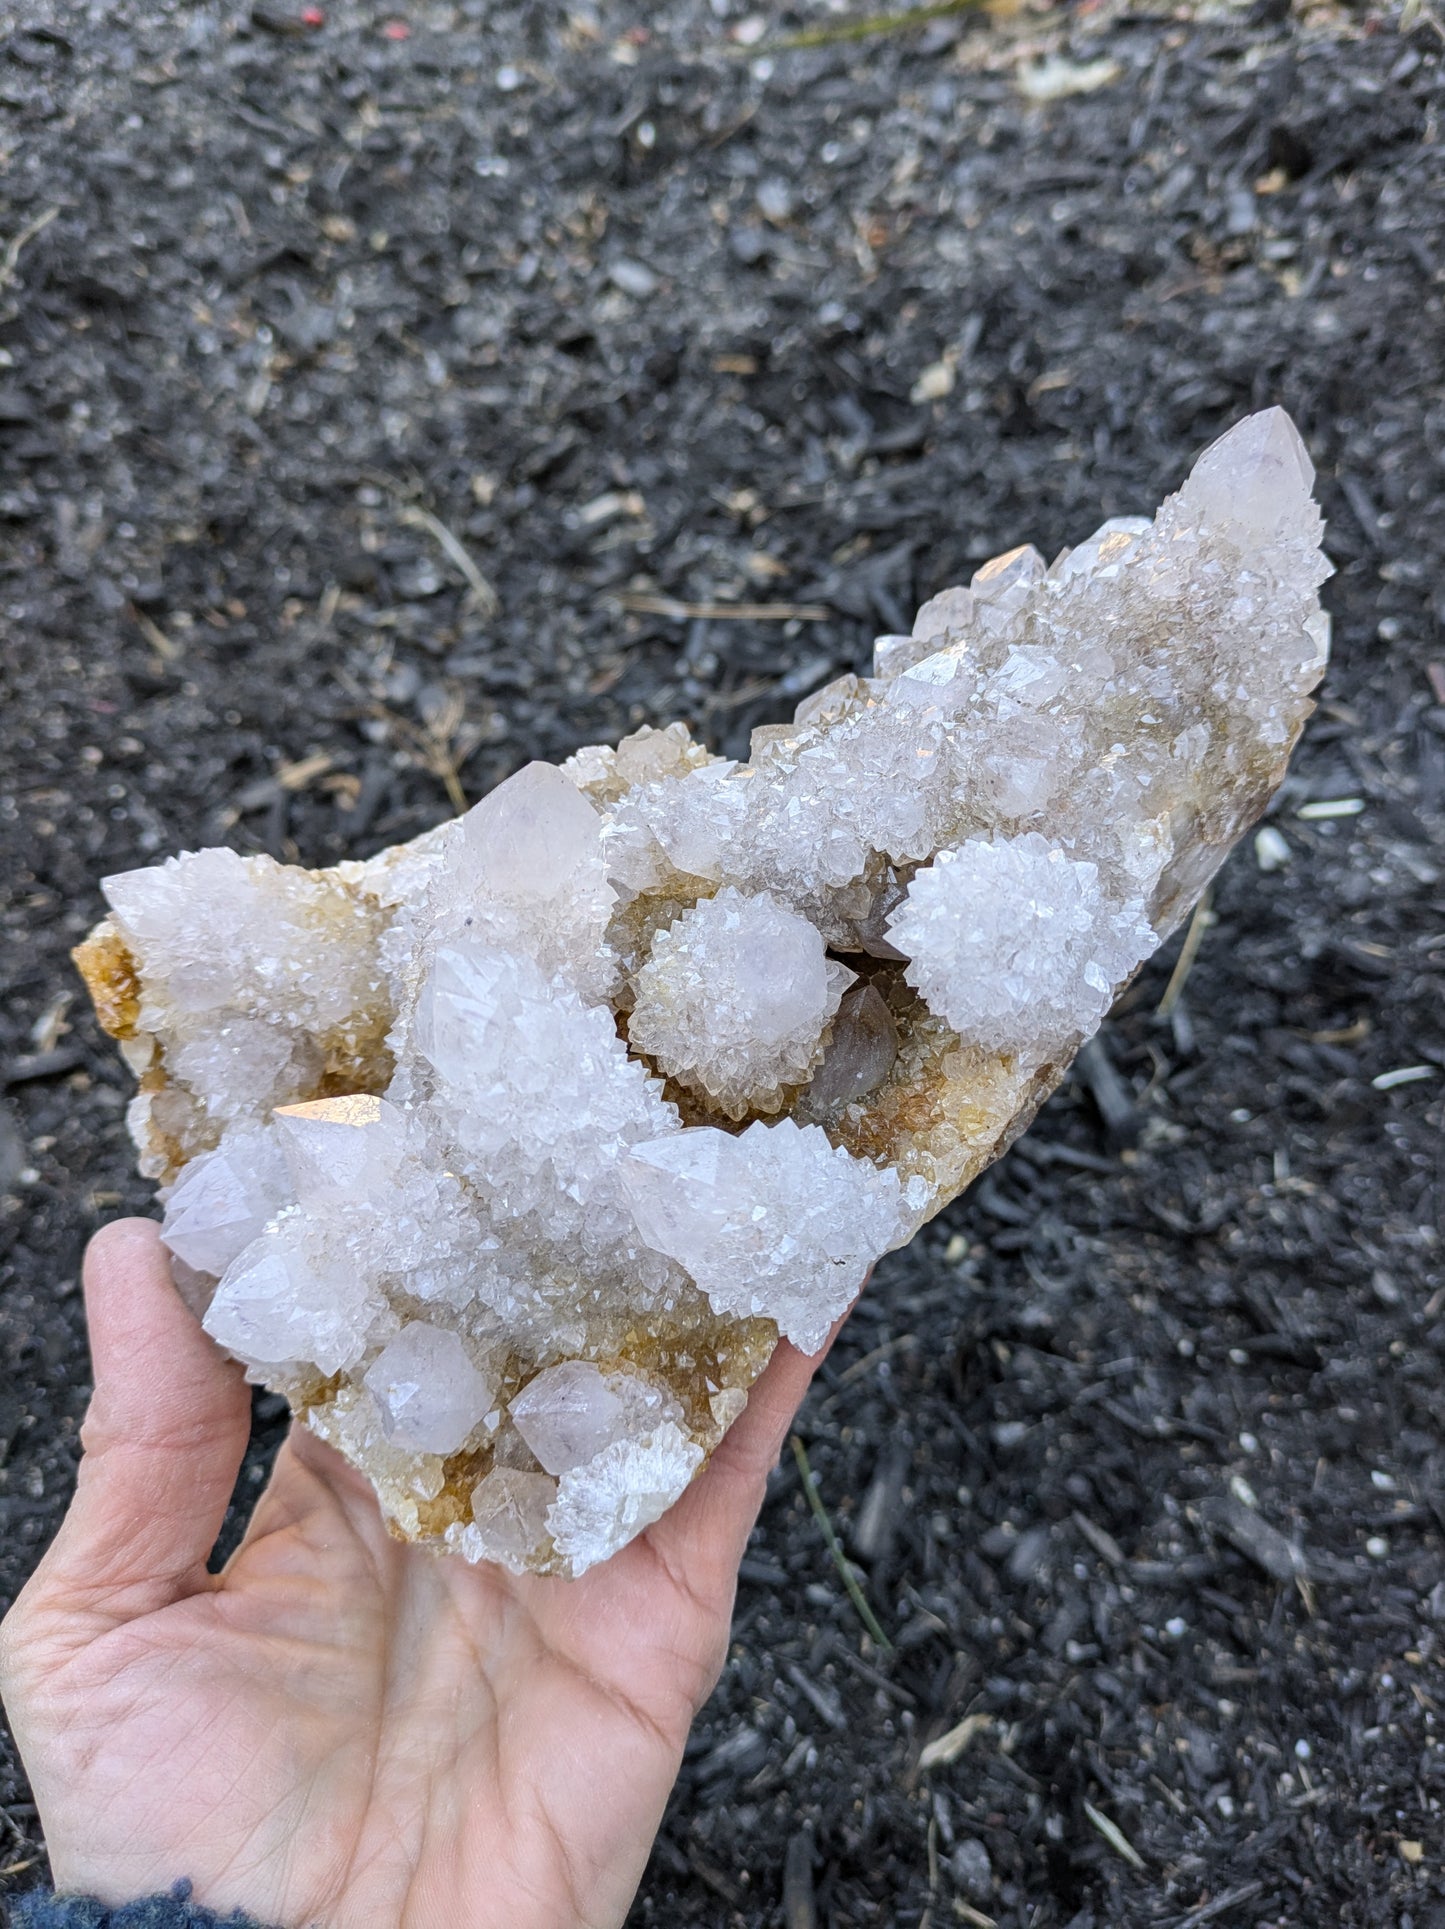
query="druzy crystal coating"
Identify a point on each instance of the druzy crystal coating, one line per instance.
(509, 1155)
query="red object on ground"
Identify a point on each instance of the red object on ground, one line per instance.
(397, 30)
(313, 17)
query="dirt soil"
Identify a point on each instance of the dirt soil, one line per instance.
(1138, 1449)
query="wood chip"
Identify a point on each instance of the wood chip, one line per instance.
(1327, 808)
(1103, 1544)
(1056, 78)
(799, 1907)
(1251, 1534)
(46, 1032)
(296, 776)
(947, 1748)
(1114, 1836)
(1220, 1905)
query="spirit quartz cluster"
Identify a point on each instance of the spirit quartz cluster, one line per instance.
(508, 1155)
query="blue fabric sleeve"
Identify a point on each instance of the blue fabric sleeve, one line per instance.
(173, 1911)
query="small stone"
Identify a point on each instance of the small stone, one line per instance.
(775, 200)
(1271, 852)
(971, 1869)
(934, 382)
(633, 278)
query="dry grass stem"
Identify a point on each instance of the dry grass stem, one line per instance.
(840, 1559)
(10, 260)
(1189, 951)
(486, 599)
(1114, 1836)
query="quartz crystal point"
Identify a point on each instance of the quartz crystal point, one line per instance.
(509, 1155)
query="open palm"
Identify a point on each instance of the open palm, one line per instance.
(340, 1729)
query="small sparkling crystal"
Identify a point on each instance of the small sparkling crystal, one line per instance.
(1016, 944)
(775, 1221)
(735, 1000)
(509, 1154)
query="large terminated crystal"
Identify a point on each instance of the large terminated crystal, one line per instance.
(509, 1154)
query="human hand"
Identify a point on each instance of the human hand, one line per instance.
(341, 1729)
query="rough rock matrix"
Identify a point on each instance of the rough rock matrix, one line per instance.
(509, 1154)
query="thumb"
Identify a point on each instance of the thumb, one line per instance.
(706, 1532)
(163, 1440)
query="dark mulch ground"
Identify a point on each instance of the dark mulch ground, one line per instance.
(630, 313)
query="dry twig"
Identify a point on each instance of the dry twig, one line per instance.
(868, 28)
(645, 605)
(164, 648)
(1189, 951)
(486, 599)
(1114, 1836)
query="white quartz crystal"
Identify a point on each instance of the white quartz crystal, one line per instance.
(430, 1395)
(509, 1515)
(606, 1502)
(509, 1154)
(275, 1308)
(223, 1199)
(774, 1221)
(574, 1410)
(1019, 947)
(735, 1000)
(526, 874)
